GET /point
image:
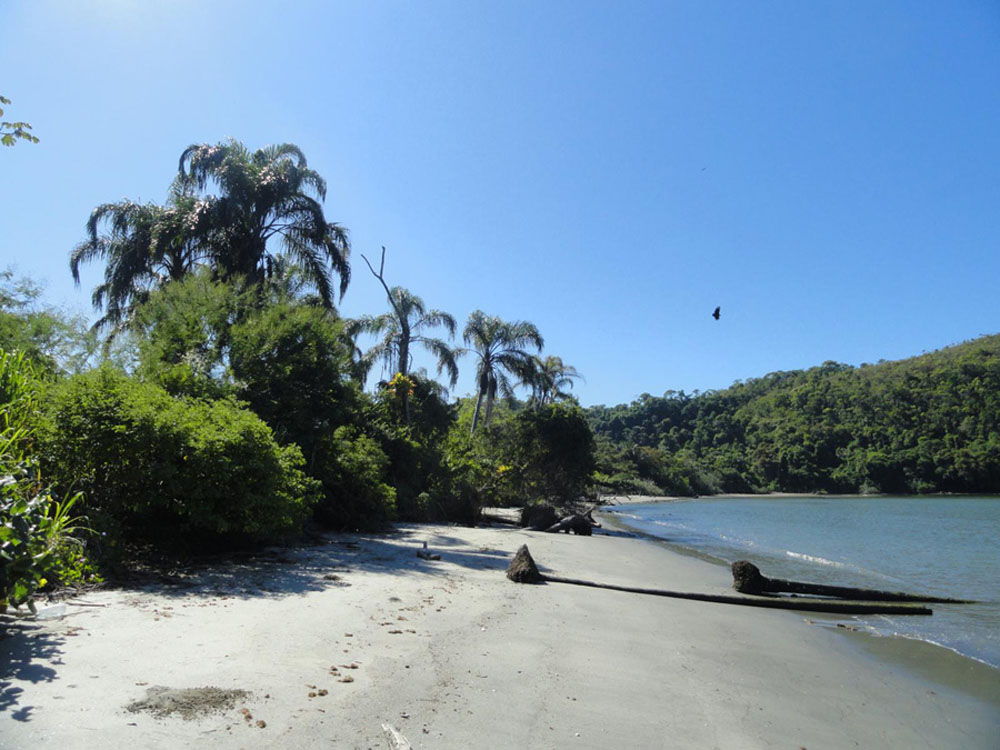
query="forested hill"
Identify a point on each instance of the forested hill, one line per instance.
(926, 424)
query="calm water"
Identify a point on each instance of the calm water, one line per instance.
(945, 546)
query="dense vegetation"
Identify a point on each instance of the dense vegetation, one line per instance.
(224, 404)
(927, 424)
(227, 408)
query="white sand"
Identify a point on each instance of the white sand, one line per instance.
(480, 662)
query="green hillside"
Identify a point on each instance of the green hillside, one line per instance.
(926, 424)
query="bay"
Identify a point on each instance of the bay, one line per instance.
(940, 545)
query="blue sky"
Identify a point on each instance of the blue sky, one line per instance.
(826, 172)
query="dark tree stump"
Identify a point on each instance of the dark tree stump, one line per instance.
(747, 578)
(522, 568)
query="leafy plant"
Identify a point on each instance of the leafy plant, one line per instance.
(173, 471)
(35, 530)
(12, 132)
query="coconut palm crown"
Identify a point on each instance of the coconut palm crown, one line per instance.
(499, 347)
(144, 246)
(402, 327)
(549, 377)
(265, 198)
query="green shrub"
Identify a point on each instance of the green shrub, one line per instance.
(173, 471)
(35, 529)
(351, 467)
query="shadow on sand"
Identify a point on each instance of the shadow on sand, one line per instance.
(326, 564)
(28, 653)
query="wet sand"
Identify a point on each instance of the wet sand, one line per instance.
(333, 641)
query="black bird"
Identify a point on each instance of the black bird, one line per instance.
(716, 313)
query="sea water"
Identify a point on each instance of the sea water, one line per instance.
(944, 545)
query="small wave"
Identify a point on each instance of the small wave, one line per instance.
(874, 575)
(627, 515)
(818, 560)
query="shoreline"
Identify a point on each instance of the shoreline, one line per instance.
(934, 661)
(454, 655)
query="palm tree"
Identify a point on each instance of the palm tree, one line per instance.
(549, 376)
(144, 245)
(264, 195)
(499, 347)
(403, 327)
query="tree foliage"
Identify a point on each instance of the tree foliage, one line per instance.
(12, 132)
(403, 327)
(36, 530)
(499, 347)
(52, 339)
(265, 217)
(930, 423)
(175, 471)
(266, 199)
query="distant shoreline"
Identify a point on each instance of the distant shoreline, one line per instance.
(612, 500)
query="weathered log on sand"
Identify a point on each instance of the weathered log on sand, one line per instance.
(538, 517)
(577, 524)
(524, 562)
(796, 603)
(747, 579)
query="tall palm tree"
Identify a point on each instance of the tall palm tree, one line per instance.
(144, 245)
(403, 327)
(500, 348)
(267, 197)
(548, 377)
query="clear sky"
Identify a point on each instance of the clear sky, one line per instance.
(826, 172)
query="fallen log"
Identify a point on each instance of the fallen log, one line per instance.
(523, 570)
(747, 579)
(575, 524)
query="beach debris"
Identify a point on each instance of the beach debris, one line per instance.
(261, 724)
(522, 568)
(576, 524)
(395, 738)
(188, 703)
(55, 612)
(426, 554)
(518, 566)
(538, 517)
(747, 579)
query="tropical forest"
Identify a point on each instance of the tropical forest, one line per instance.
(220, 402)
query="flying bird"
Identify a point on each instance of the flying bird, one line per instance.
(716, 313)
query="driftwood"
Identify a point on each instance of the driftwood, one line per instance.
(546, 518)
(524, 562)
(575, 524)
(395, 738)
(747, 579)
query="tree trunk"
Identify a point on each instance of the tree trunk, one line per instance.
(747, 579)
(475, 414)
(404, 361)
(799, 603)
(491, 394)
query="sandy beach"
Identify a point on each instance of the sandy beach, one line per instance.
(331, 641)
